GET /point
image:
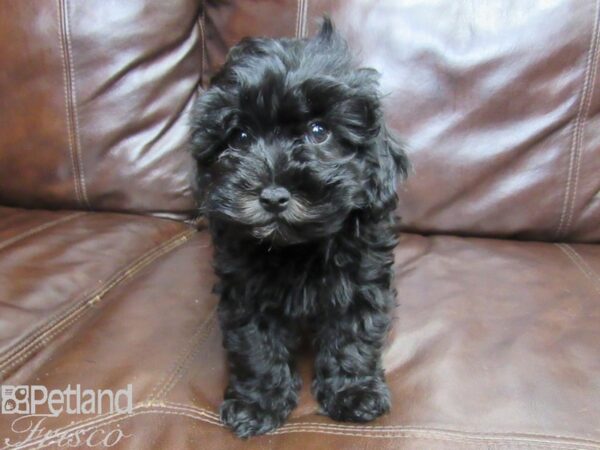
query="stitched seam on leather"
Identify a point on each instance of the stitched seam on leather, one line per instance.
(463, 437)
(301, 18)
(38, 229)
(45, 333)
(74, 110)
(596, 44)
(301, 13)
(69, 316)
(66, 89)
(304, 29)
(568, 204)
(594, 276)
(66, 319)
(190, 350)
(443, 437)
(581, 264)
(201, 26)
(298, 3)
(154, 407)
(195, 409)
(178, 372)
(375, 428)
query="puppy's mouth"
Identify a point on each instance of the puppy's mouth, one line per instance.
(279, 232)
(301, 222)
(276, 232)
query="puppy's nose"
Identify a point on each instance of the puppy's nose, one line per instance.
(274, 198)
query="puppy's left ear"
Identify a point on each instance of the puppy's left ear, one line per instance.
(387, 166)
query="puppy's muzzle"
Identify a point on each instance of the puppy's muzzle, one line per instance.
(275, 199)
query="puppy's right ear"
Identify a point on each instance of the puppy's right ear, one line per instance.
(327, 38)
(327, 31)
(207, 125)
(240, 61)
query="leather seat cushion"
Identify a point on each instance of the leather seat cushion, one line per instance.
(495, 343)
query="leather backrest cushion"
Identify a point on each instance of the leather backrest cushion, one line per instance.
(94, 96)
(498, 100)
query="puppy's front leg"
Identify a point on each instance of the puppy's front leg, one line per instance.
(349, 383)
(263, 385)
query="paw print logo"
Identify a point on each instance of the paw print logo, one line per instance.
(14, 399)
(9, 406)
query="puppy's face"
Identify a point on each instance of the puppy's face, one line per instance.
(289, 140)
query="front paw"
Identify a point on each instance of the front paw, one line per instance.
(249, 419)
(358, 401)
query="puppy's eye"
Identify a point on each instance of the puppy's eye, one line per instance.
(239, 140)
(317, 133)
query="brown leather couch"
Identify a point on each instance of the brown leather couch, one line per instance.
(105, 276)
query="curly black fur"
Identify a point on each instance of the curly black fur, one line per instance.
(322, 266)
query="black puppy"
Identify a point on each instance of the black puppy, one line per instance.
(298, 178)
